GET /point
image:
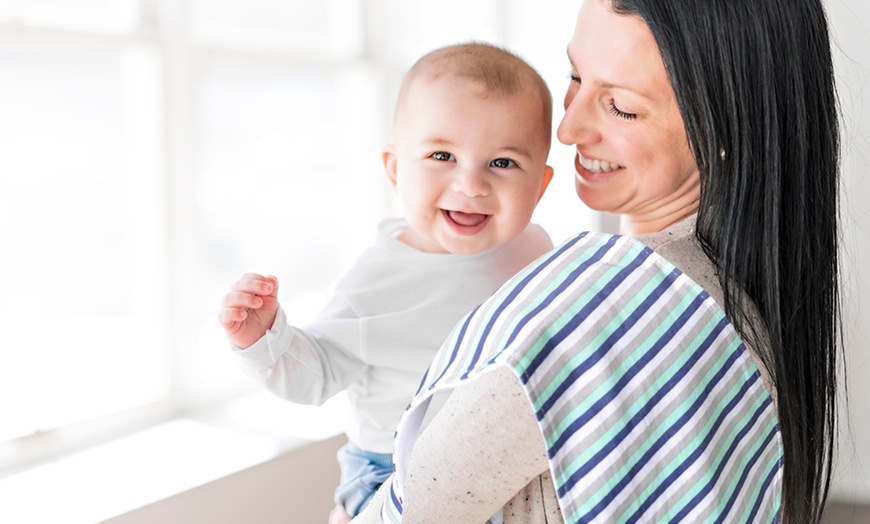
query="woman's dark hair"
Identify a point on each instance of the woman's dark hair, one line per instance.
(755, 85)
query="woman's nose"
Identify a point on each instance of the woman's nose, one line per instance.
(579, 125)
(471, 182)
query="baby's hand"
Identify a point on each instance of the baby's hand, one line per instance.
(248, 309)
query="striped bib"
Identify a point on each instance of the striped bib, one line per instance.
(650, 405)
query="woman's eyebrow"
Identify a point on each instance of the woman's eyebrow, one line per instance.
(610, 85)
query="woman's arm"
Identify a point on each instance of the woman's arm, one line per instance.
(461, 472)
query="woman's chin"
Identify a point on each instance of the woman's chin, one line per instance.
(593, 198)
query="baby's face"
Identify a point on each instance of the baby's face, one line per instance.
(468, 169)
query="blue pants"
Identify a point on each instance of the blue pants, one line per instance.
(362, 473)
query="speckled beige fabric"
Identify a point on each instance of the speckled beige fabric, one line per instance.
(452, 457)
(536, 502)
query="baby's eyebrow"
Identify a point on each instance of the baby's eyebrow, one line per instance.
(521, 151)
(517, 150)
(435, 141)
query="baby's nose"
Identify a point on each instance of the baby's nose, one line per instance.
(471, 182)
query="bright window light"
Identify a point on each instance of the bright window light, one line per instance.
(307, 28)
(83, 248)
(100, 16)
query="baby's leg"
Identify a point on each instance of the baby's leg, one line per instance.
(338, 516)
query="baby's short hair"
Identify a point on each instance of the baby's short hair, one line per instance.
(499, 71)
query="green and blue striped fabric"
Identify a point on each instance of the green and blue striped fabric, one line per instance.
(650, 404)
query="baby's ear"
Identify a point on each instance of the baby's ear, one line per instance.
(389, 157)
(548, 175)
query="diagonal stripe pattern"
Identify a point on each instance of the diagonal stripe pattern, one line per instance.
(650, 404)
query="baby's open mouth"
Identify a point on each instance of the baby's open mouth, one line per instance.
(466, 219)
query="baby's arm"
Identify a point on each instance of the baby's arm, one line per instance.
(296, 365)
(248, 309)
(290, 362)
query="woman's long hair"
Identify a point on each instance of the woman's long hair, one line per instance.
(755, 85)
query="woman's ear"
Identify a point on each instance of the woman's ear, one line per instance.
(548, 175)
(389, 157)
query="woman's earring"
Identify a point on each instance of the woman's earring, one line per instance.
(722, 153)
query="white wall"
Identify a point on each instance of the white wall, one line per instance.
(850, 20)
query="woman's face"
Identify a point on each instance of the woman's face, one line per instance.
(633, 157)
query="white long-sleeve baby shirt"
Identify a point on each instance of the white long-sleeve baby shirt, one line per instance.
(388, 316)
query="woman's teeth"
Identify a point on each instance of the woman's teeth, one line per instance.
(598, 166)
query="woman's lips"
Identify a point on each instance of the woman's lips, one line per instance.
(465, 223)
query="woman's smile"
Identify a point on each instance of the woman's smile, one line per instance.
(587, 170)
(597, 166)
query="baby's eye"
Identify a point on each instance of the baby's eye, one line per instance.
(502, 163)
(442, 156)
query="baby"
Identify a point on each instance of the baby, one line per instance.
(471, 135)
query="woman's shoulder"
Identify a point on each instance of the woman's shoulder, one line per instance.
(679, 246)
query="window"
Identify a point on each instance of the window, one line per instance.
(82, 203)
(155, 151)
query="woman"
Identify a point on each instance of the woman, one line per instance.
(710, 128)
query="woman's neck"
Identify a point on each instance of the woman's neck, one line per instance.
(635, 225)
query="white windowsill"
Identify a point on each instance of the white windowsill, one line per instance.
(167, 459)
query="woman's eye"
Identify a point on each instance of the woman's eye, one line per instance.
(442, 156)
(502, 163)
(615, 111)
(574, 78)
